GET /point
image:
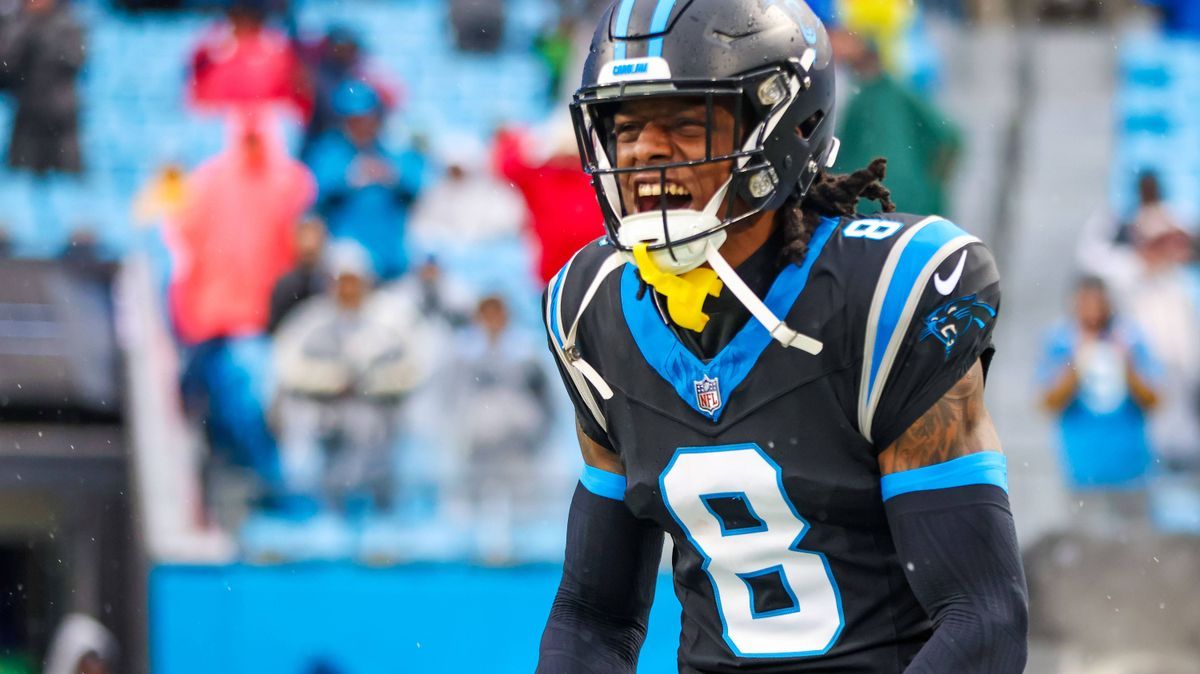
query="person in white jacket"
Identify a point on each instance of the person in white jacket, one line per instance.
(497, 375)
(1156, 288)
(345, 361)
(469, 206)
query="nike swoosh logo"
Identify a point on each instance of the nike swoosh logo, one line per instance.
(946, 286)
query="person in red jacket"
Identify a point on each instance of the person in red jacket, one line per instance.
(243, 60)
(563, 212)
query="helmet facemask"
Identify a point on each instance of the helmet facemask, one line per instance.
(765, 160)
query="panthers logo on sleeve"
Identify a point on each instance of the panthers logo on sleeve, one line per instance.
(955, 319)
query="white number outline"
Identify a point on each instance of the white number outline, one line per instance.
(804, 527)
(874, 229)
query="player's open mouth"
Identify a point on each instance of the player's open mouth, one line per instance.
(650, 196)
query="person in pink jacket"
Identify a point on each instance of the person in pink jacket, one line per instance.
(230, 243)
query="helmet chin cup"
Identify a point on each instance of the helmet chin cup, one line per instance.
(683, 223)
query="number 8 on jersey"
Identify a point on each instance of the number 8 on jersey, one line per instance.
(774, 600)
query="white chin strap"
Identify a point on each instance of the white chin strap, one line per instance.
(682, 223)
(779, 330)
(648, 227)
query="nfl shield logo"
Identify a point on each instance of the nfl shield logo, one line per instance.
(708, 394)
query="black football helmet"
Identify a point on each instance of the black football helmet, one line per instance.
(769, 61)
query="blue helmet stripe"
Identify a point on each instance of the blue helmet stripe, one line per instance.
(622, 30)
(658, 23)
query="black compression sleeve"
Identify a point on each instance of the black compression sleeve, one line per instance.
(959, 552)
(598, 621)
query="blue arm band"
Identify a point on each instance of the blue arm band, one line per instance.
(979, 468)
(603, 483)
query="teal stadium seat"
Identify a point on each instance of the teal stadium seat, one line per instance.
(1157, 129)
(134, 115)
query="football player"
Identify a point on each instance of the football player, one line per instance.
(792, 392)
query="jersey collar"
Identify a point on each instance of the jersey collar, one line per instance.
(695, 381)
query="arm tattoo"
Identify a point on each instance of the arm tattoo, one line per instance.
(958, 424)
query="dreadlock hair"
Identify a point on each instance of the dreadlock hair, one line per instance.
(833, 195)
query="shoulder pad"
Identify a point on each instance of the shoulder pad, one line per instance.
(567, 297)
(565, 291)
(893, 266)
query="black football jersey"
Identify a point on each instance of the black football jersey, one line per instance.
(761, 462)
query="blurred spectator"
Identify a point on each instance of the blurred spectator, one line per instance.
(81, 645)
(500, 381)
(469, 206)
(1153, 216)
(344, 363)
(882, 23)
(556, 46)
(41, 53)
(305, 279)
(1151, 210)
(478, 25)
(1154, 289)
(1162, 300)
(444, 305)
(365, 190)
(242, 60)
(1179, 17)
(1099, 378)
(336, 60)
(234, 237)
(562, 205)
(883, 118)
(438, 298)
(230, 243)
(162, 197)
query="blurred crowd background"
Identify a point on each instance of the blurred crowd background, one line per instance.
(269, 299)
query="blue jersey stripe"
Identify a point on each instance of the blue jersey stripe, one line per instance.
(555, 328)
(679, 366)
(658, 23)
(603, 483)
(622, 29)
(906, 276)
(979, 468)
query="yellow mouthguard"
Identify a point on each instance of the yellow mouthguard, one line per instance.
(685, 292)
